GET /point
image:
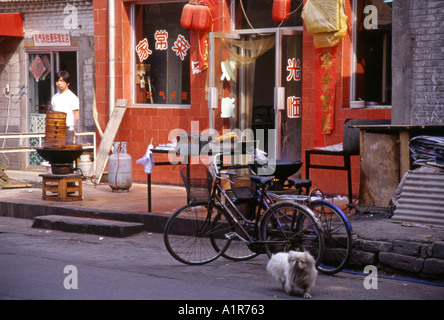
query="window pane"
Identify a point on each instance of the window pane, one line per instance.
(373, 52)
(162, 55)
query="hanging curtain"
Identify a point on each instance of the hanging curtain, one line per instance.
(253, 48)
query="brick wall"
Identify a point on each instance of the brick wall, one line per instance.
(418, 62)
(141, 124)
(332, 181)
(427, 28)
(11, 104)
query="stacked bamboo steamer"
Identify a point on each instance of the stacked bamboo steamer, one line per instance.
(55, 131)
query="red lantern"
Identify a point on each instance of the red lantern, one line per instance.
(202, 20)
(186, 20)
(281, 10)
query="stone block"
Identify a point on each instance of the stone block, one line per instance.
(362, 258)
(406, 247)
(433, 266)
(401, 262)
(373, 246)
(438, 249)
(426, 251)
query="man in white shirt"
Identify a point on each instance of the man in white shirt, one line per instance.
(66, 101)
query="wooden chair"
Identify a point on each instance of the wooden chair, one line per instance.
(350, 147)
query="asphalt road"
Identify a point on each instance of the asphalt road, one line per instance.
(40, 264)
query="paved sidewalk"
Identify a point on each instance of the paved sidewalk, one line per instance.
(166, 199)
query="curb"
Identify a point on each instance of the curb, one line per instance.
(109, 228)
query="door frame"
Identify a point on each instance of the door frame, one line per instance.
(54, 54)
(279, 90)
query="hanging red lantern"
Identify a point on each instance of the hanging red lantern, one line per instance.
(186, 20)
(202, 20)
(281, 10)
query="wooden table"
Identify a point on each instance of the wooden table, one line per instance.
(405, 133)
(385, 158)
(66, 187)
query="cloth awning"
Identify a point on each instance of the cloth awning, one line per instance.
(11, 24)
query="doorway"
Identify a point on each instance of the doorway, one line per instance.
(265, 85)
(42, 66)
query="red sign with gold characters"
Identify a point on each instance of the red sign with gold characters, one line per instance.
(325, 79)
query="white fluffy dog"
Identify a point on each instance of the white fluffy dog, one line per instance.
(294, 269)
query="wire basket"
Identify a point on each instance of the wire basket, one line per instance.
(198, 182)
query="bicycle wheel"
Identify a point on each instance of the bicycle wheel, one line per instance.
(238, 249)
(188, 232)
(337, 236)
(291, 226)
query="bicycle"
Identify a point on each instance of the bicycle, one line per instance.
(336, 228)
(204, 229)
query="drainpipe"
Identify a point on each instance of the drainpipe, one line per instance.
(111, 54)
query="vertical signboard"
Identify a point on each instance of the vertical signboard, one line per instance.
(291, 119)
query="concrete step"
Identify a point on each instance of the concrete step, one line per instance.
(109, 228)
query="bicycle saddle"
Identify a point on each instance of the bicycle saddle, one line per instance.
(300, 183)
(261, 180)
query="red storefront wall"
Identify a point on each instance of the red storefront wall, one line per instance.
(332, 181)
(140, 125)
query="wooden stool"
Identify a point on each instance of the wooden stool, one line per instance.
(67, 187)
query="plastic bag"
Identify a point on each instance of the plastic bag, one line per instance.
(326, 21)
(322, 15)
(328, 39)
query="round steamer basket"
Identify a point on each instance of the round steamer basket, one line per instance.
(55, 132)
(55, 115)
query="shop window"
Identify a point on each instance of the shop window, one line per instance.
(372, 46)
(161, 55)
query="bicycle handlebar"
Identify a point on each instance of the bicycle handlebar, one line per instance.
(215, 167)
(217, 172)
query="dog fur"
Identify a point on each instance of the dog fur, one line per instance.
(294, 269)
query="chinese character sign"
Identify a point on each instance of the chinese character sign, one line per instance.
(181, 46)
(153, 58)
(142, 50)
(52, 39)
(294, 107)
(294, 68)
(161, 37)
(325, 79)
